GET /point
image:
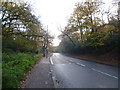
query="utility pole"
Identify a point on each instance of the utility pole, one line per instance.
(46, 43)
(119, 11)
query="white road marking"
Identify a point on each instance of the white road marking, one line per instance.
(78, 63)
(51, 61)
(82, 65)
(54, 82)
(104, 73)
(71, 61)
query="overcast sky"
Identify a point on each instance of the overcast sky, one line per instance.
(54, 13)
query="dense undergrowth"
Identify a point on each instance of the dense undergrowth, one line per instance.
(14, 66)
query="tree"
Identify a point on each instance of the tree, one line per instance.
(18, 22)
(86, 29)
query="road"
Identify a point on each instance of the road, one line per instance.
(68, 72)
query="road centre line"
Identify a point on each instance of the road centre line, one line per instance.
(82, 65)
(104, 73)
(96, 70)
(77, 63)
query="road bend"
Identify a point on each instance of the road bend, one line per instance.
(68, 72)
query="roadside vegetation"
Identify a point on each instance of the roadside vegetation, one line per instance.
(15, 68)
(92, 30)
(24, 41)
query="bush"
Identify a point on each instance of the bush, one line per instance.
(21, 44)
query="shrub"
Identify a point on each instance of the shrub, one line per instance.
(15, 66)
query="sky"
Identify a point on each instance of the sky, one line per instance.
(54, 14)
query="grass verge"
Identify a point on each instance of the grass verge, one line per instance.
(14, 66)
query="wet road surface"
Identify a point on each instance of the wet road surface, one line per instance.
(68, 72)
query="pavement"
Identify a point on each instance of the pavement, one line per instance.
(40, 76)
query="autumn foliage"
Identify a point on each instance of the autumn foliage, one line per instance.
(88, 32)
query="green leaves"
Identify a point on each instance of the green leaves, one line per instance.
(19, 18)
(23, 27)
(14, 69)
(94, 40)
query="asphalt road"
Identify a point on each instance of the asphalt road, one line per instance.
(68, 72)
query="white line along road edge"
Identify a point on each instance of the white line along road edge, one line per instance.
(51, 61)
